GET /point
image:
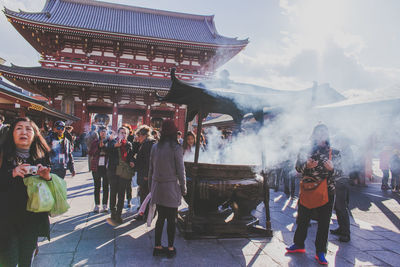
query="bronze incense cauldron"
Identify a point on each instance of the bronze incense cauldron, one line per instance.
(220, 186)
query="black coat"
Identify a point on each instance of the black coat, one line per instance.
(13, 201)
(113, 155)
(142, 162)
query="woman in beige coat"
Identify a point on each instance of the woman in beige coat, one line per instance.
(167, 181)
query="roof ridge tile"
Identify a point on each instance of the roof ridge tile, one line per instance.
(140, 9)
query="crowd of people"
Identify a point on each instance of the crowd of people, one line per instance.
(155, 160)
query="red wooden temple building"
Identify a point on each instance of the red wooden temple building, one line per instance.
(111, 60)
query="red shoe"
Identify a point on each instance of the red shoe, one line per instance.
(295, 249)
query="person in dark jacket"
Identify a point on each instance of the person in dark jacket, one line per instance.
(143, 160)
(167, 181)
(69, 136)
(128, 192)
(82, 143)
(319, 162)
(395, 170)
(61, 154)
(342, 192)
(118, 149)
(98, 165)
(19, 229)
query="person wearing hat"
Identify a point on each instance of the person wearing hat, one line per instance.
(167, 181)
(61, 157)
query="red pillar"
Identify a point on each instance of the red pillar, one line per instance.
(115, 117)
(176, 116)
(21, 112)
(147, 115)
(182, 119)
(84, 114)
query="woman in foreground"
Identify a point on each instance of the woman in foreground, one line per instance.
(167, 181)
(23, 148)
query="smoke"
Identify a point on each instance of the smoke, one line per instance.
(289, 121)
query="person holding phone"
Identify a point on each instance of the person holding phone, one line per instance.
(23, 152)
(118, 150)
(98, 164)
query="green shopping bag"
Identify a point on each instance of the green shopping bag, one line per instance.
(40, 198)
(58, 188)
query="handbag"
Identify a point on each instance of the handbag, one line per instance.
(123, 169)
(314, 194)
(40, 198)
(58, 188)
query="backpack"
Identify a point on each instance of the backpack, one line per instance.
(314, 194)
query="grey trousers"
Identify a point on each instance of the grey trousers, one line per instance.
(342, 205)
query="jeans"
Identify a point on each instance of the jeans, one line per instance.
(97, 177)
(342, 205)
(118, 186)
(170, 215)
(385, 178)
(18, 249)
(303, 219)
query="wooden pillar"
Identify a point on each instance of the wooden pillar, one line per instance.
(21, 112)
(200, 117)
(147, 117)
(176, 116)
(84, 112)
(115, 116)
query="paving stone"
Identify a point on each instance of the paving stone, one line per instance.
(101, 230)
(241, 247)
(256, 260)
(387, 257)
(356, 256)
(389, 235)
(388, 245)
(129, 241)
(362, 244)
(94, 251)
(53, 260)
(61, 242)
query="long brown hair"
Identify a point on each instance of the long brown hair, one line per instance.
(186, 145)
(38, 149)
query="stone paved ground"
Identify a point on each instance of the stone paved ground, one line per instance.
(82, 238)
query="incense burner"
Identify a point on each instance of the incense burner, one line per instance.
(219, 186)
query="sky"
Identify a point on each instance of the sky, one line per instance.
(350, 44)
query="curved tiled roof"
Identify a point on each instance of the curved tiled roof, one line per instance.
(73, 76)
(16, 92)
(128, 20)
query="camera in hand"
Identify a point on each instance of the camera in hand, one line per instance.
(32, 170)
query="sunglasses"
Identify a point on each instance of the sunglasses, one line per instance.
(60, 127)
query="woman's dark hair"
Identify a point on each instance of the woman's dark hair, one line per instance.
(189, 133)
(168, 133)
(38, 149)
